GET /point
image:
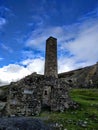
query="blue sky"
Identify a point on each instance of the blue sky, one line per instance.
(26, 24)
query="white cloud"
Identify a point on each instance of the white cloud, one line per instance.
(14, 72)
(37, 65)
(38, 37)
(66, 64)
(79, 39)
(85, 45)
(34, 65)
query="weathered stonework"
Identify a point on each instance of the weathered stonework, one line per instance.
(30, 95)
(51, 58)
(34, 93)
(25, 97)
(86, 77)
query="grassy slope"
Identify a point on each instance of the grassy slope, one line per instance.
(84, 118)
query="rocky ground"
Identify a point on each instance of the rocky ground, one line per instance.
(22, 123)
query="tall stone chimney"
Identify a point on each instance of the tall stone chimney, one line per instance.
(51, 58)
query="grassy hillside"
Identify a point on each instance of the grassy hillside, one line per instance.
(84, 118)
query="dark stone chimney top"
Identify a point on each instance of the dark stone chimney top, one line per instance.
(51, 38)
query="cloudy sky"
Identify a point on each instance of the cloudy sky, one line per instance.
(26, 24)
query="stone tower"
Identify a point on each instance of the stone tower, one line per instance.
(51, 58)
(36, 92)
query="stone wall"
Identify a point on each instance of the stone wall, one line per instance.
(24, 97)
(30, 95)
(51, 58)
(86, 77)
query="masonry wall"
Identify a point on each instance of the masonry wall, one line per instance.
(51, 58)
(30, 95)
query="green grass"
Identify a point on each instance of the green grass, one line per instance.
(84, 118)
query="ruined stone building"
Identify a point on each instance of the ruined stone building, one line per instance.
(36, 92)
